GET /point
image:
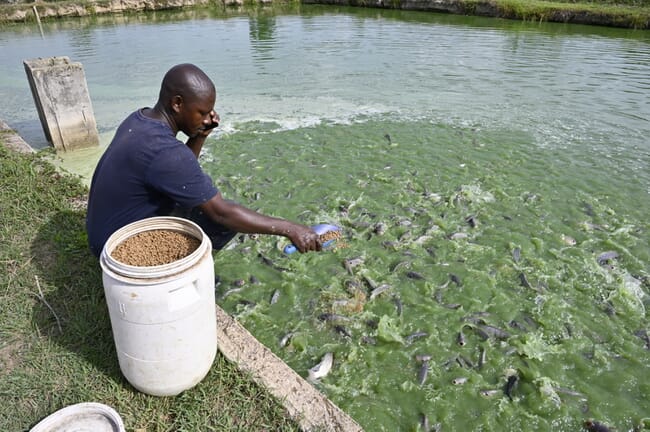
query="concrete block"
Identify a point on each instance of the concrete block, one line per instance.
(61, 96)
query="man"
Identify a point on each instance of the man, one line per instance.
(146, 171)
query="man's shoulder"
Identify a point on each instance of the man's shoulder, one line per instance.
(147, 132)
(137, 118)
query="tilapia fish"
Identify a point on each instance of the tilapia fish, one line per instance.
(322, 368)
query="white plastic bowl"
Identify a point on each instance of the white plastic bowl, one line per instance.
(82, 417)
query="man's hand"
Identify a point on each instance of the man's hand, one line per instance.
(213, 123)
(304, 238)
(195, 143)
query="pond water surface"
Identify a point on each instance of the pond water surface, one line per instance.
(492, 180)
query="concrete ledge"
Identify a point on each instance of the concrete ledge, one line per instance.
(12, 140)
(309, 407)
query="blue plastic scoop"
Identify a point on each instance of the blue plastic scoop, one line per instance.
(319, 229)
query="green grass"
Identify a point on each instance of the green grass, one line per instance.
(622, 13)
(615, 13)
(56, 346)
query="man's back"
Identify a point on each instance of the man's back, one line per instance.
(144, 172)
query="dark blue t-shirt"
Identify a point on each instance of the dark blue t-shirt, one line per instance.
(144, 172)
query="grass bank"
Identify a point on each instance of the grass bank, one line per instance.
(615, 13)
(56, 347)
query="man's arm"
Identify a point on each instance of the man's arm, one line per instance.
(196, 142)
(241, 219)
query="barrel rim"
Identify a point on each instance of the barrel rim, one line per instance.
(186, 226)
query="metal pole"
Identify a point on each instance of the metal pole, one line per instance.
(38, 20)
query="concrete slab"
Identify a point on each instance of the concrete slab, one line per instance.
(63, 102)
(309, 407)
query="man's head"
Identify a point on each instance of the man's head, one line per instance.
(187, 95)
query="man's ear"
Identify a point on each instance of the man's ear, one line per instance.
(177, 103)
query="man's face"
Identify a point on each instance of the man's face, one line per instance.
(195, 114)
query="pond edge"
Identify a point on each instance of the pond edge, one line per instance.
(570, 13)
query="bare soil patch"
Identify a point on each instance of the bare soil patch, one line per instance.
(9, 357)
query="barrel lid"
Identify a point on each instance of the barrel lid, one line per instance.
(82, 417)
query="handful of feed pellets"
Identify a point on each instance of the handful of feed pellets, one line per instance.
(327, 239)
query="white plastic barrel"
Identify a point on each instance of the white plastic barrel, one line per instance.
(163, 317)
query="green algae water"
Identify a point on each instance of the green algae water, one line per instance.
(492, 183)
(482, 228)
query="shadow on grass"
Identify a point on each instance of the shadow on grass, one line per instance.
(71, 280)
